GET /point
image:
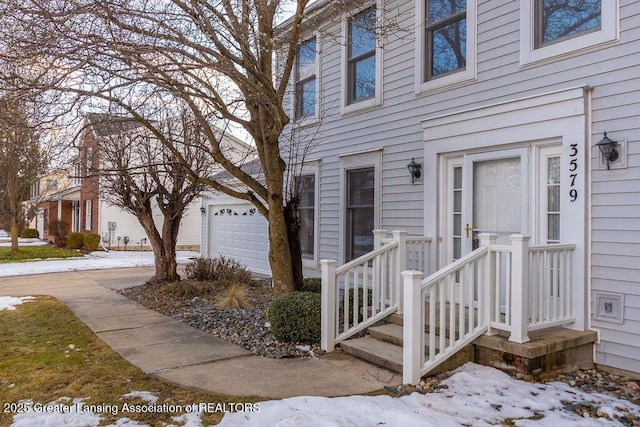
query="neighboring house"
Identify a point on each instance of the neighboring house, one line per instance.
(56, 197)
(501, 104)
(120, 230)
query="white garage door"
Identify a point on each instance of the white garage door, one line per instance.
(241, 233)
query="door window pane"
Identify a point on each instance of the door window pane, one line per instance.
(360, 212)
(553, 199)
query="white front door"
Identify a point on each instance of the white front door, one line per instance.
(485, 193)
(495, 196)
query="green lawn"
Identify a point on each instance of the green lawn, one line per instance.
(26, 253)
(46, 353)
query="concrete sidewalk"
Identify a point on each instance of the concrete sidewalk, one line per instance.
(180, 354)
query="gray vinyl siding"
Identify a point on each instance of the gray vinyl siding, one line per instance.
(613, 71)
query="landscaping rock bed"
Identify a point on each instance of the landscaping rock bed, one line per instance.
(247, 328)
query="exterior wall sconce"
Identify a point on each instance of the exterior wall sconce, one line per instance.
(414, 170)
(607, 147)
(202, 210)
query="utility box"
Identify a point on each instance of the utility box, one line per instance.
(111, 225)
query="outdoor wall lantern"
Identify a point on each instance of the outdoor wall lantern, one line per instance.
(414, 170)
(202, 210)
(607, 147)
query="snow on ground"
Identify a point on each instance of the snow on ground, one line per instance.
(93, 261)
(9, 303)
(476, 396)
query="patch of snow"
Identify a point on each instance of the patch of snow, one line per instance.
(476, 395)
(93, 261)
(59, 412)
(144, 395)
(10, 303)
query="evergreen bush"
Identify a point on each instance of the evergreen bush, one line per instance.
(75, 240)
(312, 284)
(30, 233)
(91, 241)
(295, 317)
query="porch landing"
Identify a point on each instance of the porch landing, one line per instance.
(547, 353)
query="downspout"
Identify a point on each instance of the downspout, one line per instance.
(589, 132)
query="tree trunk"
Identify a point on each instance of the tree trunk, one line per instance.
(165, 264)
(293, 235)
(14, 234)
(280, 258)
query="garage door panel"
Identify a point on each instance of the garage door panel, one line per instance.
(240, 232)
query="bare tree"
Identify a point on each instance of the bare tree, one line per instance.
(140, 175)
(215, 56)
(22, 160)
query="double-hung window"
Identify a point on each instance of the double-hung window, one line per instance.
(361, 57)
(306, 191)
(558, 20)
(306, 86)
(554, 28)
(360, 212)
(446, 47)
(445, 36)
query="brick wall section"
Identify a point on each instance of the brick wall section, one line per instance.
(90, 187)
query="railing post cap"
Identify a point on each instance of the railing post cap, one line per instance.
(519, 237)
(328, 261)
(411, 274)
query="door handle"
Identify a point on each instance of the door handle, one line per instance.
(467, 229)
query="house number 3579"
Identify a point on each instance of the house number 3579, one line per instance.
(573, 171)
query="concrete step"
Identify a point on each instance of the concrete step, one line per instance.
(375, 351)
(390, 333)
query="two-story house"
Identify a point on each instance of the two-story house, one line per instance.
(503, 110)
(56, 198)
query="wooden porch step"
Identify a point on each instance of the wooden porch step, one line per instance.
(375, 351)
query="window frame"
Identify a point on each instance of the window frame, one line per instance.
(88, 215)
(453, 78)
(530, 54)
(354, 161)
(312, 170)
(347, 104)
(296, 113)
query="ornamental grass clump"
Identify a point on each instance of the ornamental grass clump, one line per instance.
(295, 317)
(235, 296)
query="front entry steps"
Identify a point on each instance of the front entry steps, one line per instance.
(548, 352)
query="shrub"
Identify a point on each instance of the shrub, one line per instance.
(225, 271)
(236, 296)
(75, 240)
(58, 229)
(30, 233)
(189, 289)
(295, 317)
(312, 284)
(91, 241)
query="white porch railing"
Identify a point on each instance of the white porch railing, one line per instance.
(513, 288)
(364, 291)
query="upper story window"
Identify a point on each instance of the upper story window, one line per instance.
(445, 44)
(445, 36)
(361, 56)
(77, 174)
(555, 28)
(559, 20)
(306, 86)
